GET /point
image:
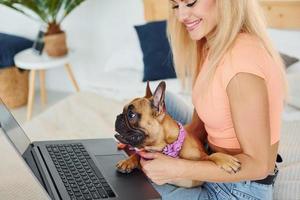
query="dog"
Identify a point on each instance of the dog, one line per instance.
(145, 124)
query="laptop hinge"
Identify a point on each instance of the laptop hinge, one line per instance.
(49, 186)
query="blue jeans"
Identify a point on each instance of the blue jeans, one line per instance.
(210, 191)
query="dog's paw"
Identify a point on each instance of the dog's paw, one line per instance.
(227, 162)
(126, 166)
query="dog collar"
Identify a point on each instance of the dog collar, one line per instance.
(174, 148)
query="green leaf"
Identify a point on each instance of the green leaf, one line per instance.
(71, 5)
(54, 7)
(10, 5)
(47, 10)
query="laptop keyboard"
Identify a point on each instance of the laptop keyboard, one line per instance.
(78, 172)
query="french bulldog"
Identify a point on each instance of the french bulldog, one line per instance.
(145, 124)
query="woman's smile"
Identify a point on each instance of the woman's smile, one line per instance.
(192, 25)
(199, 18)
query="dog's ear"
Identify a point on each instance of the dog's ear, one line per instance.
(159, 97)
(148, 91)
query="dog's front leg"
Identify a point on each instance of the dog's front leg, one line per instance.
(225, 161)
(129, 164)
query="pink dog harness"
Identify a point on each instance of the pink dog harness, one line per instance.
(174, 148)
(171, 149)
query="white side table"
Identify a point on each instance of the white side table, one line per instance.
(29, 60)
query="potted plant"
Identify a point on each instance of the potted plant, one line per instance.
(50, 12)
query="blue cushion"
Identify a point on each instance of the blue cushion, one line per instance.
(157, 55)
(10, 46)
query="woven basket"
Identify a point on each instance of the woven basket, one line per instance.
(13, 86)
(55, 45)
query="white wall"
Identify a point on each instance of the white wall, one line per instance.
(94, 30)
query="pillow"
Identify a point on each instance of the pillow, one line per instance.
(293, 90)
(288, 60)
(157, 56)
(10, 46)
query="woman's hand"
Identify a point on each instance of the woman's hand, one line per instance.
(160, 168)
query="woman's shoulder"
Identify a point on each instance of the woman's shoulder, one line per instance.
(246, 51)
(248, 55)
(246, 43)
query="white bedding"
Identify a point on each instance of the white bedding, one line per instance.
(127, 84)
(287, 185)
(293, 77)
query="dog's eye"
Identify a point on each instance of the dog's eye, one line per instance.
(131, 114)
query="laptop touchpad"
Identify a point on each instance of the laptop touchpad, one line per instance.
(109, 162)
(126, 184)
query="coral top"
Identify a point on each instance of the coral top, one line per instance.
(249, 56)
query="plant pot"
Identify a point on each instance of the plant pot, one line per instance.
(56, 45)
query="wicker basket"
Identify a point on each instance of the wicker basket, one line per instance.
(55, 45)
(14, 86)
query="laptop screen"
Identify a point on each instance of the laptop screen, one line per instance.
(12, 129)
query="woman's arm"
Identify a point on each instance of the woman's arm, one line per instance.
(196, 127)
(249, 107)
(250, 114)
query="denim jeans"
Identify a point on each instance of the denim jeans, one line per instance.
(208, 191)
(222, 191)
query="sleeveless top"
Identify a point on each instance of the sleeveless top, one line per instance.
(247, 55)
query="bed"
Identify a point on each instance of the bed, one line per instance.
(119, 80)
(284, 21)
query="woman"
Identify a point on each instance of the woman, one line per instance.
(238, 92)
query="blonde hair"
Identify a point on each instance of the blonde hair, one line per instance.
(234, 16)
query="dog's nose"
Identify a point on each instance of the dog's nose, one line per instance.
(119, 117)
(120, 125)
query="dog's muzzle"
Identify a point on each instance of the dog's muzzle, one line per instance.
(126, 133)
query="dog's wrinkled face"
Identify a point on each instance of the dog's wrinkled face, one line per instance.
(139, 123)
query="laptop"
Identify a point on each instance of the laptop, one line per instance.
(77, 169)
